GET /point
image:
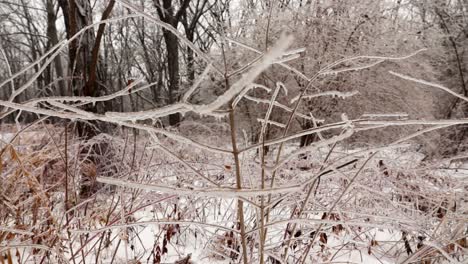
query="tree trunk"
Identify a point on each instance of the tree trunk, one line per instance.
(167, 13)
(458, 108)
(84, 54)
(83, 66)
(53, 40)
(172, 46)
(80, 53)
(190, 59)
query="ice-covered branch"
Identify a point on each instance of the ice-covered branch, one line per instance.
(245, 91)
(146, 223)
(92, 116)
(297, 135)
(357, 68)
(209, 109)
(50, 55)
(328, 68)
(451, 122)
(261, 120)
(314, 146)
(270, 108)
(333, 94)
(282, 106)
(171, 154)
(89, 99)
(16, 231)
(438, 86)
(201, 192)
(314, 222)
(196, 84)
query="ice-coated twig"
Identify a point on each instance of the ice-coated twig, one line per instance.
(358, 68)
(248, 78)
(355, 214)
(16, 231)
(13, 76)
(451, 122)
(6, 248)
(271, 122)
(54, 52)
(418, 133)
(10, 72)
(314, 146)
(209, 109)
(287, 58)
(442, 251)
(89, 99)
(373, 116)
(294, 51)
(314, 222)
(246, 90)
(297, 135)
(333, 94)
(327, 68)
(244, 67)
(123, 234)
(196, 84)
(180, 139)
(268, 113)
(72, 109)
(284, 107)
(50, 55)
(90, 116)
(315, 124)
(183, 162)
(146, 223)
(202, 192)
(438, 86)
(282, 87)
(297, 72)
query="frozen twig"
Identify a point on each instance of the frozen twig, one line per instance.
(314, 146)
(333, 94)
(196, 84)
(209, 109)
(202, 192)
(146, 223)
(438, 86)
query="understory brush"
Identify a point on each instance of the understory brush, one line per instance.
(393, 208)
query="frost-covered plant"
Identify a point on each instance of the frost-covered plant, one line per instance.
(315, 203)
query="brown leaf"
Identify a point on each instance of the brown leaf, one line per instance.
(10, 236)
(13, 154)
(185, 260)
(9, 258)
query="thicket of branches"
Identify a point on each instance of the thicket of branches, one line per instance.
(266, 132)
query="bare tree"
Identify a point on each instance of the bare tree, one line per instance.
(52, 35)
(84, 51)
(172, 14)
